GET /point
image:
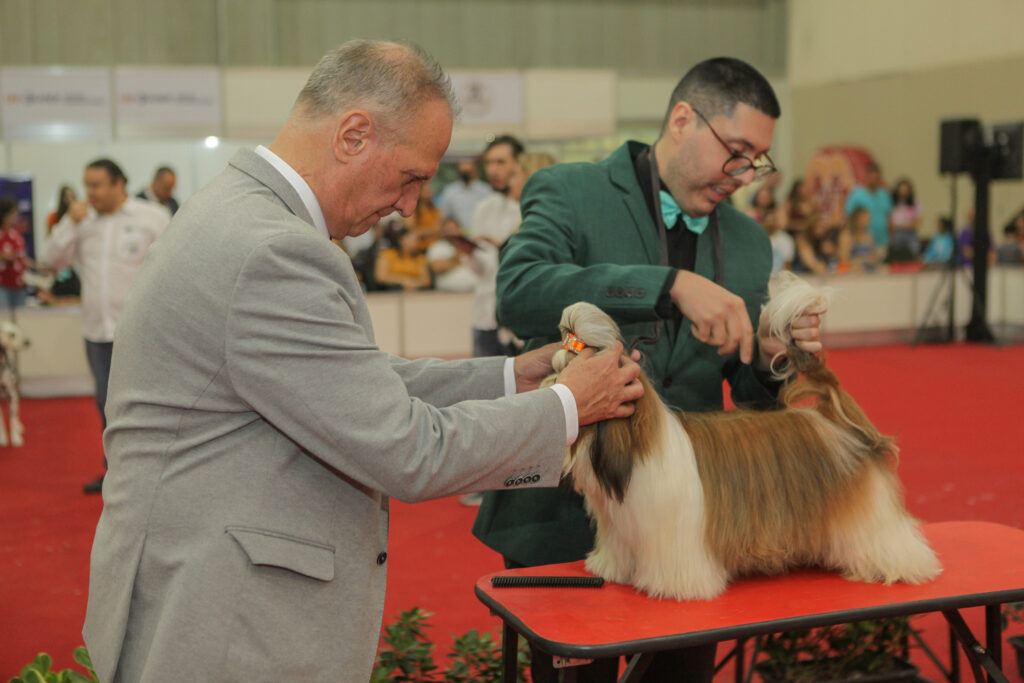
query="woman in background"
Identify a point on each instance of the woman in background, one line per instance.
(904, 221)
(65, 197)
(403, 266)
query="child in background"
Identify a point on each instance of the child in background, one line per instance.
(861, 252)
(13, 257)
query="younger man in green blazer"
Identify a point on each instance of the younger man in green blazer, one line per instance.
(683, 273)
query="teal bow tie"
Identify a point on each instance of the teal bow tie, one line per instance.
(670, 211)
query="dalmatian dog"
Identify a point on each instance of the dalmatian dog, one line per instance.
(12, 340)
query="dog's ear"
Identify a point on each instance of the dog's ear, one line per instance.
(620, 444)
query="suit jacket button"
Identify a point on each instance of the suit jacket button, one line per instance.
(639, 292)
(610, 291)
(382, 558)
(509, 481)
(620, 292)
(667, 382)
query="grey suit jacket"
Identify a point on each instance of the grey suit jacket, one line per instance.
(255, 432)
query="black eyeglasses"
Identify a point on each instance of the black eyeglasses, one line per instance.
(738, 164)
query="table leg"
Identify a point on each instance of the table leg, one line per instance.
(509, 653)
(980, 658)
(993, 635)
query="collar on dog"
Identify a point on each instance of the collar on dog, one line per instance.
(573, 343)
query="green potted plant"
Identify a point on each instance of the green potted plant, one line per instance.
(38, 670)
(1014, 611)
(406, 654)
(865, 651)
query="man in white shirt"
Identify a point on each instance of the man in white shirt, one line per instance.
(459, 200)
(494, 221)
(108, 237)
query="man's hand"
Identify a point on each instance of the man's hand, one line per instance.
(604, 384)
(533, 366)
(78, 211)
(719, 317)
(806, 332)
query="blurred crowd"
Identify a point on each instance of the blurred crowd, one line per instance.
(880, 227)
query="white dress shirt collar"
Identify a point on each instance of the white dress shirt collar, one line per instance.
(301, 187)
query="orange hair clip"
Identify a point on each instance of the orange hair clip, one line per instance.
(573, 343)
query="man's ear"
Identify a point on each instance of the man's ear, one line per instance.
(354, 131)
(682, 114)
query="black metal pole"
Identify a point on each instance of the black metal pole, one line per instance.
(977, 329)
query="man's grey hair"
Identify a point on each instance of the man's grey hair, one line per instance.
(389, 80)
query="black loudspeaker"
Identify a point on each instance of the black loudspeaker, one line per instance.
(1007, 147)
(959, 140)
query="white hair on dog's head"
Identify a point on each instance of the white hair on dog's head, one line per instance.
(683, 502)
(790, 298)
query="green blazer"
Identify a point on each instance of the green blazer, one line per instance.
(587, 235)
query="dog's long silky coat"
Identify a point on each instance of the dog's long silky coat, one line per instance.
(683, 502)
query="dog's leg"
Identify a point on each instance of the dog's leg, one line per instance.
(14, 409)
(672, 557)
(612, 556)
(878, 540)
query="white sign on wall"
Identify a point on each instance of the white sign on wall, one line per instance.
(489, 97)
(55, 104)
(154, 101)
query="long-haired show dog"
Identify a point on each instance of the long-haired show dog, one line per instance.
(12, 340)
(683, 502)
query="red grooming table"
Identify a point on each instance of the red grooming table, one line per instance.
(983, 565)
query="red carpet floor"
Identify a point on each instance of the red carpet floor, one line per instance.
(957, 411)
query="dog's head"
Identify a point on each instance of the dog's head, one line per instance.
(605, 453)
(11, 337)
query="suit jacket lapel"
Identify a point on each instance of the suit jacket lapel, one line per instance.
(622, 174)
(252, 164)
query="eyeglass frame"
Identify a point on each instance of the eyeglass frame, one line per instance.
(762, 171)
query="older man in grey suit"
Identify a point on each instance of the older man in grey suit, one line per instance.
(256, 430)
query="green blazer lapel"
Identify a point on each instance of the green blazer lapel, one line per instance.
(622, 174)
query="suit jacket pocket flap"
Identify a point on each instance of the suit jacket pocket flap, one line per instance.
(272, 549)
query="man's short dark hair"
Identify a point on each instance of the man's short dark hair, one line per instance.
(112, 169)
(511, 141)
(715, 86)
(162, 170)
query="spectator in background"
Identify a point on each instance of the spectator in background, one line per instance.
(940, 247)
(1009, 251)
(449, 260)
(65, 196)
(874, 197)
(497, 216)
(857, 244)
(762, 204)
(403, 266)
(494, 220)
(108, 237)
(161, 189)
(425, 220)
(13, 257)
(459, 199)
(783, 246)
(66, 283)
(904, 221)
(817, 248)
(799, 211)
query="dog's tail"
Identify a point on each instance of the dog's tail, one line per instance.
(806, 376)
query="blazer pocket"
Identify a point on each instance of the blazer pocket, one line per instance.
(271, 549)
